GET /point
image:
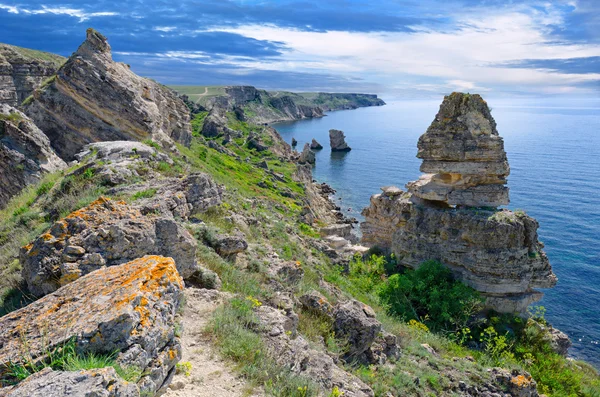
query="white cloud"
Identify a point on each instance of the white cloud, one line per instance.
(468, 58)
(165, 29)
(73, 12)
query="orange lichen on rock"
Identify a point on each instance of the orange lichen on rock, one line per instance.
(521, 381)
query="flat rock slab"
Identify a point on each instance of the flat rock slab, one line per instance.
(128, 309)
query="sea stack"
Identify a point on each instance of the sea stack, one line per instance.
(314, 145)
(337, 140)
(307, 156)
(450, 214)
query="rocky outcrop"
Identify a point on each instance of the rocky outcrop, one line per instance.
(96, 99)
(292, 351)
(495, 251)
(129, 309)
(25, 153)
(101, 382)
(314, 145)
(307, 156)
(105, 233)
(337, 140)
(23, 70)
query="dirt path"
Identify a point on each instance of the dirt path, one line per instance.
(210, 376)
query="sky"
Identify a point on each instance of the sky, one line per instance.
(397, 49)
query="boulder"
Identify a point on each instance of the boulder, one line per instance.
(230, 246)
(101, 382)
(25, 153)
(355, 322)
(279, 331)
(314, 145)
(95, 99)
(307, 156)
(516, 383)
(559, 341)
(294, 142)
(255, 142)
(337, 140)
(316, 302)
(129, 309)
(105, 233)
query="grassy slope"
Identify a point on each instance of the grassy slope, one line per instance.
(35, 55)
(277, 229)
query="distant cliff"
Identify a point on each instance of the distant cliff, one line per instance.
(260, 106)
(23, 70)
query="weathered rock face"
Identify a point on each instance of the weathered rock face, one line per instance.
(496, 252)
(96, 99)
(105, 233)
(102, 382)
(22, 71)
(463, 156)
(129, 309)
(25, 153)
(337, 140)
(307, 156)
(293, 351)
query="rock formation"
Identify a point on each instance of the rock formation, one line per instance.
(129, 309)
(314, 145)
(495, 251)
(25, 153)
(23, 70)
(294, 142)
(105, 233)
(307, 156)
(96, 99)
(337, 140)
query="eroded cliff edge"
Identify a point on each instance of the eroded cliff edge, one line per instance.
(450, 214)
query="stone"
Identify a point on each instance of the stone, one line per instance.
(516, 383)
(230, 246)
(307, 156)
(314, 145)
(111, 233)
(129, 309)
(337, 140)
(22, 71)
(288, 349)
(255, 142)
(463, 156)
(355, 322)
(92, 99)
(559, 341)
(101, 382)
(25, 153)
(294, 142)
(290, 273)
(495, 251)
(316, 302)
(204, 278)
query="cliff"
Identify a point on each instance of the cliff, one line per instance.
(450, 214)
(22, 70)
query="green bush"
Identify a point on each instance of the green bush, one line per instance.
(432, 296)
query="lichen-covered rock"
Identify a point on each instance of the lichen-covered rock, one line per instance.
(337, 140)
(23, 70)
(105, 233)
(355, 322)
(517, 384)
(316, 302)
(102, 382)
(293, 351)
(128, 309)
(96, 99)
(25, 153)
(463, 156)
(307, 156)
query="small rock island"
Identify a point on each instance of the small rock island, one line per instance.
(337, 140)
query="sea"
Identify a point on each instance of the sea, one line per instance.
(553, 147)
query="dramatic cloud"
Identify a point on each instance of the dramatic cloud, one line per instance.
(426, 47)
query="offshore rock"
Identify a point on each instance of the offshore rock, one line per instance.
(314, 145)
(337, 140)
(96, 99)
(101, 382)
(291, 350)
(105, 233)
(463, 156)
(307, 156)
(129, 309)
(25, 153)
(23, 70)
(497, 252)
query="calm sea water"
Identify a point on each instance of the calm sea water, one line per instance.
(554, 153)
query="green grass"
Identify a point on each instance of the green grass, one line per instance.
(142, 194)
(35, 55)
(12, 117)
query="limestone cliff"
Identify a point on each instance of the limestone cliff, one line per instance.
(96, 99)
(449, 215)
(23, 70)
(25, 153)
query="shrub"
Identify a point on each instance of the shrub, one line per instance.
(430, 295)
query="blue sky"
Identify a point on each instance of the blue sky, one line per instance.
(412, 48)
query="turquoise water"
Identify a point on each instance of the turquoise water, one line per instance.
(554, 154)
